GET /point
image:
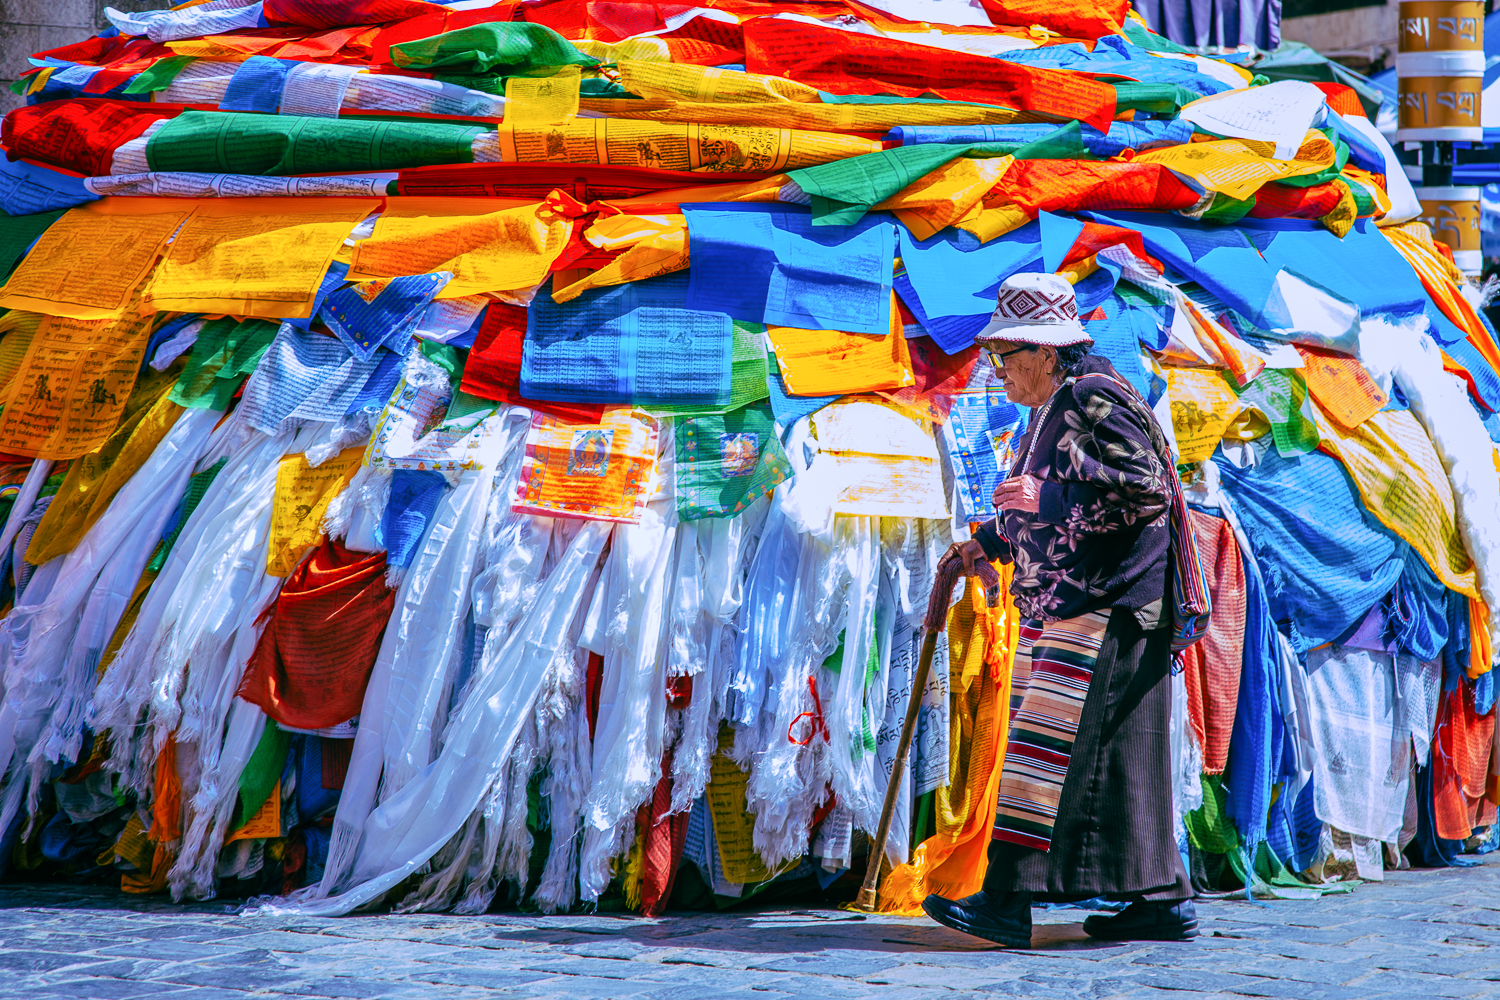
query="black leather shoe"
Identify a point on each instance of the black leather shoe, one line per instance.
(1143, 921)
(1004, 918)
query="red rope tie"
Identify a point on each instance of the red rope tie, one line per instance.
(815, 719)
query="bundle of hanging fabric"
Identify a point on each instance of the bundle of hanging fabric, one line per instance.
(498, 453)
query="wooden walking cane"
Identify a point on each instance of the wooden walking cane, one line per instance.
(936, 621)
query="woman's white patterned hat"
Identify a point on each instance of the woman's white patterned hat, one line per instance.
(1035, 309)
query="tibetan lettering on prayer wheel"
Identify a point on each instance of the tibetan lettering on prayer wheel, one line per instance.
(1453, 215)
(1440, 70)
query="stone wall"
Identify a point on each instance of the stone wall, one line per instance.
(28, 26)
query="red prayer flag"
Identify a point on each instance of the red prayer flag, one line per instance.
(493, 370)
(345, 13)
(842, 62)
(1282, 201)
(1079, 185)
(1097, 236)
(1074, 18)
(80, 134)
(311, 664)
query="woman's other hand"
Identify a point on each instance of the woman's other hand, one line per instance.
(1019, 493)
(970, 552)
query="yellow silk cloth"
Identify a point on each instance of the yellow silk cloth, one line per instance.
(981, 650)
(1203, 406)
(90, 263)
(602, 472)
(653, 245)
(835, 363)
(94, 479)
(303, 494)
(1403, 483)
(261, 257)
(486, 251)
(1240, 167)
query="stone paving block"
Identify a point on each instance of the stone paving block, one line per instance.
(1405, 985)
(498, 979)
(37, 961)
(118, 989)
(176, 949)
(274, 941)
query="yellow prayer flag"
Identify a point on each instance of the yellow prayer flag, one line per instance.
(73, 384)
(94, 479)
(302, 498)
(670, 146)
(17, 327)
(653, 244)
(644, 49)
(90, 261)
(487, 251)
(734, 827)
(1403, 483)
(254, 256)
(709, 85)
(542, 100)
(1203, 406)
(1240, 167)
(265, 824)
(810, 117)
(602, 472)
(835, 363)
(951, 193)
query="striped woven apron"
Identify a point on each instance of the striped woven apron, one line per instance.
(1053, 666)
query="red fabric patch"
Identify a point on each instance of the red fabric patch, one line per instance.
(1074, 18)
(938, 377)
(311, 664)
(1096, 236)
(666, 838)
(336, 757)
(344, 13)
(1212, 665)
(1460, 764)
(842, 62)
(80, 134)
(1281, 201)
(493, 370)
(1342, 99)
(1077, 185)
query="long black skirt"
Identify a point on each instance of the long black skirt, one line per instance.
(1113, 835)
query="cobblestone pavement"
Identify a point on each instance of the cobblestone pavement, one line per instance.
(1419, 934)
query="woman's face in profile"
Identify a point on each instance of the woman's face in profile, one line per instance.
(1025, 369)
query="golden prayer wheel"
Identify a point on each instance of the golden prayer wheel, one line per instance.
(1453, 215)
(1440, 70)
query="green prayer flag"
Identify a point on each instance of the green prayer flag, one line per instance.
(279, 145)
(844, 190)
(727, 461)
(159, 75)
(1152, 98)
(511, 46)
(262, 771)
(19, 232)
(1281, 395)
(225, 352)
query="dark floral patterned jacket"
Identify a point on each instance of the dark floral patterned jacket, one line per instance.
(1101, 536)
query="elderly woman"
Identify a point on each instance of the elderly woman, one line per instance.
(1085, 804)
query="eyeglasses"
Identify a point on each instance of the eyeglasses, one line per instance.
(997, 358)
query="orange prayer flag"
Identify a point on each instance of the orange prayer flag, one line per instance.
(1342, 386)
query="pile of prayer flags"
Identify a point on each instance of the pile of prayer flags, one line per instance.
(426, 424)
